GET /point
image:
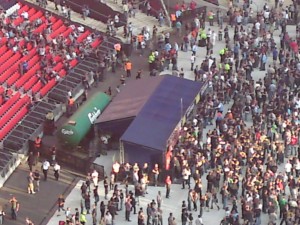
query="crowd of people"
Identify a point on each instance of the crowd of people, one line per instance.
(240, 157)
(240, 164)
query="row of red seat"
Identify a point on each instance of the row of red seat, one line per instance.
(15, 108)
(17, 117)
(10, 112)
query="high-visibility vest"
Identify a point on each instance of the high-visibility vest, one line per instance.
(37, 142)
(151, 59)
(173, 17)
(222, 51)
(128, 66)
(227, 67)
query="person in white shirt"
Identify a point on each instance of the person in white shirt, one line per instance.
(199, 220)
(45, 167)
(25, 15)
(288, 168)
(56, 170)
(108, 218)
(95, 176)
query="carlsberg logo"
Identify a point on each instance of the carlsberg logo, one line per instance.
(67, 132)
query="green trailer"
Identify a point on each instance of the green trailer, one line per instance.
(78, 125)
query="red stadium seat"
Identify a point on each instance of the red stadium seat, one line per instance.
(12, 111)
(27, 76)
(3, 49)
(23, 9)
(9, 62)
(27, 86)
(8, 54)
(13, 122)
(12, 79)
(73, 63)
(47, 87)
(95, 43)
(83, 36)
(37, 87)
(58, 31)
(37, 15)
(57, 24)
(9, 104)
(67, 32)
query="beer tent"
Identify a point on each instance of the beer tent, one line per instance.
(153, 108)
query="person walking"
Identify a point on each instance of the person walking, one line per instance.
(30, 187)
(82, 218)
(2, 214)
(15, 206)
(56, 170)
(61, 203)
(30, 160)
(37, 178)
(45, 168)
(128, 207)
(128, 68)
(94, 215)
(168, 186)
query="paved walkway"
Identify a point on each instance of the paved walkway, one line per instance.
(37, 206)
(139, 21)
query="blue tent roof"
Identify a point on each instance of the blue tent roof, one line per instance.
(158, 118)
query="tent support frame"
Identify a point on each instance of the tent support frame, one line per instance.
(122, 159)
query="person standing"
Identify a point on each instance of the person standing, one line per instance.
(15, 206)
(193, 60)
(45, 168)
(56, 170)
(30, 160)
(37, 178)
(199, 221)
(159, 199)
(168, 186)
(2, 214)
(141, 217)
(95, 176)
(116, 168)
(155, 172)
(61, 203)
(30, 187)
(94, 215)
(28, 221)
(128, 207)
(82, 218)
(128, 68)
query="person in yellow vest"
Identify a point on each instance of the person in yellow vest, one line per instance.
(128, 67)
(211, 15)
(82, 218)
(222, 55)
(151, 60)
(173, 19)
(227, 67)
